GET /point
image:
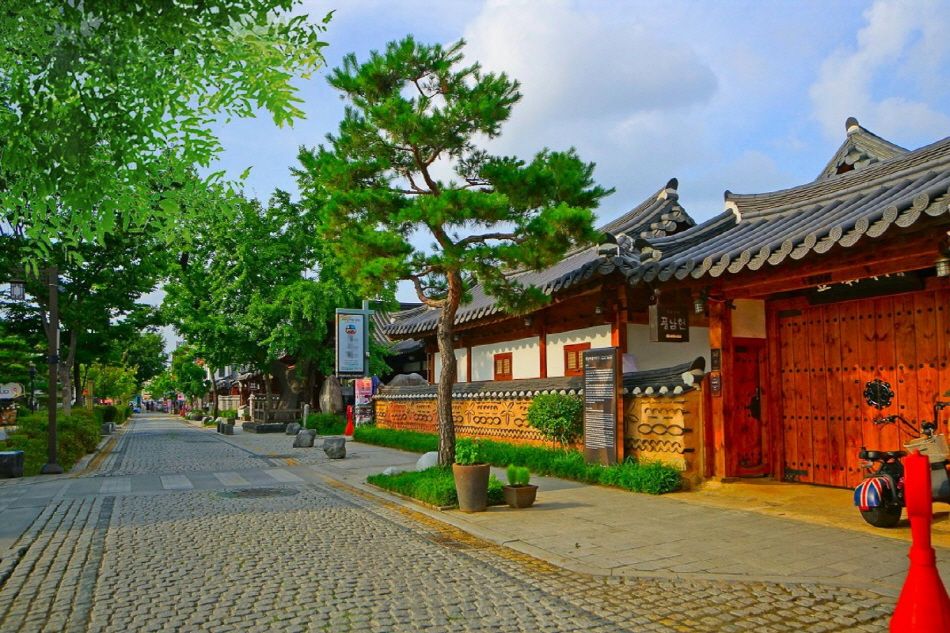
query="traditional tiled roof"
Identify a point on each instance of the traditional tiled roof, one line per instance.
(770, 228)
(667, 381)
(884, 195)
(860, 149)
(658, 216)
(382, 320)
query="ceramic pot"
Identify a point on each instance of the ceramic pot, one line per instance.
(471, 485)
(520, 496)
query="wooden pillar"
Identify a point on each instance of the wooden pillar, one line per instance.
(432, 377)
(772, 388)
(618, 339)
(720, 411)
(542, 347)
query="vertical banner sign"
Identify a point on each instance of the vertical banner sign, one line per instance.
(363, 392)
(352, 342)
(669, 323)
(601, 390)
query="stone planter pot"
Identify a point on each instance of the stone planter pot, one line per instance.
(471, 485)
(227, 429)
(520, 496)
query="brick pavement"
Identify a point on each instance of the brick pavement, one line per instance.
(168, 545)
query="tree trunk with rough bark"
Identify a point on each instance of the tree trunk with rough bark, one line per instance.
(214, 393)
(447, 376)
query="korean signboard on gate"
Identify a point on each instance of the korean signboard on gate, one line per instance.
(669, 323)
(352, 342)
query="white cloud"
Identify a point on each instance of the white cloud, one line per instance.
(903, 48)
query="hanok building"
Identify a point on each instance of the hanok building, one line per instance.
(795, 298)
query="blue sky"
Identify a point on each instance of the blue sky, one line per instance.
(745, 96)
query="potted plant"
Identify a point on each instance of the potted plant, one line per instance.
(471, 477)
(519, 493)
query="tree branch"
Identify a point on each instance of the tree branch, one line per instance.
(481, 239)
(420, 292)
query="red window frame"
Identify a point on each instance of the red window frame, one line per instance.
(502, 362)
(574, 359)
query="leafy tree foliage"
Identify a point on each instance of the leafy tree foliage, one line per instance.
(187, 376)
(116, 382)
(145, 350)
(98, 96)
(405, 161)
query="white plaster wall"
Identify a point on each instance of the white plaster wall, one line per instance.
(461, 363)
(650, 355)
(525, 359)
(597, 336)
(748, 319)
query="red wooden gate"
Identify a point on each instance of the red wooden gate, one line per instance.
(825, 356)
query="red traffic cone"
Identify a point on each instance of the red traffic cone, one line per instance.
(349, 421)
(923, 606)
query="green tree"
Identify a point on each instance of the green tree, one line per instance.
(97, 96)
(414, 114)
(187, 375)
(145, 350)
(116, 382)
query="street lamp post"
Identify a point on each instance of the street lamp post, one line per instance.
(52, 467)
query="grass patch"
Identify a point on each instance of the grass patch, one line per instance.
(435, 486)
(649, 477)
(76, 435)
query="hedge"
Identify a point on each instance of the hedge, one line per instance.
(435, 486)
(76, 435)
(326, 423)
(649, 477)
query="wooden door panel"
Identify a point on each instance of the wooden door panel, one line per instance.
(828, 353)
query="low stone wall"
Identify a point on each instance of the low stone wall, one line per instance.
(496, 419)
(667, 429)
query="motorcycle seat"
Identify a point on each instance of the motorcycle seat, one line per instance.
(881, 455)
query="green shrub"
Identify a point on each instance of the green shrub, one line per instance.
(326, 423)
(435, 486)
(230, 414)
(649, 477)
(467, 453)
(558, 417)
(108, 412)
(403, 440)
(76, 435)
(518, 475)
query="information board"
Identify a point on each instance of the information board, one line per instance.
(363, 396)
(352, 342)
(601, 390)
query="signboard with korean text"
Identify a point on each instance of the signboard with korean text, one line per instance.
(601, 393)
(352, 342)
(363, 395)
(669, 323)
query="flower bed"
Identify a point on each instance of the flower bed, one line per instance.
(434, 486)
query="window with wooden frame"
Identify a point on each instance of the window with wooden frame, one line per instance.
(574, 359)
(503, 366)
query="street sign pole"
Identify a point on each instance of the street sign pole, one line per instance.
(52, 466)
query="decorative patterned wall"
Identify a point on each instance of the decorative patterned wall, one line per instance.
(666, 429)
(495, 419)
(662, 428)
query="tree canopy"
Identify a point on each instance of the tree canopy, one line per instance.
(408, 161)
(98, 96)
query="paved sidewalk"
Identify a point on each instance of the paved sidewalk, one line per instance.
(604, 531)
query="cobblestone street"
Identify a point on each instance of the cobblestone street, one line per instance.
(182, 531)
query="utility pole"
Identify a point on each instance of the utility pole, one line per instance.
(52, 467)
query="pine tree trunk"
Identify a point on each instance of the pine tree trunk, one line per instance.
(447, 376)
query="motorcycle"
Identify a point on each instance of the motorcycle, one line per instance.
(880, 496)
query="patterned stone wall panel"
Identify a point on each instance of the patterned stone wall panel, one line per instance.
(497, 419)
(666, 429)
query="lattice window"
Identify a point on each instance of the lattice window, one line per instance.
(503, 366)
(574, 359)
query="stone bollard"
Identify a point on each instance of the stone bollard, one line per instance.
(305, 438)
(11, 463)
(335, 447)
(292, 428)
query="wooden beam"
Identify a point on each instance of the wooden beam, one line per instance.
(618, 338)
(720, 337)
(468, 364)
(542, 347)
(772, 387)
